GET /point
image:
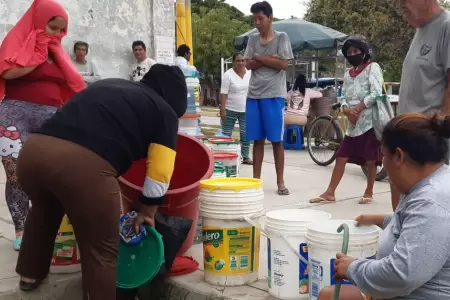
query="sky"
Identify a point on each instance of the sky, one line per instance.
(281, 8)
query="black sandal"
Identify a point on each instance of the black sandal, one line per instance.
(283, 192)
(29, 286)
(247, 161)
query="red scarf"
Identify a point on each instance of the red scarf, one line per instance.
(27, 44)
(356, 71)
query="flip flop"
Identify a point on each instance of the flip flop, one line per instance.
(283, 192)
(321, 200)
(365, 200)
(247, 161)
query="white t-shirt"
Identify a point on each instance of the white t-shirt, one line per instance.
(139, 69)
(236, 89)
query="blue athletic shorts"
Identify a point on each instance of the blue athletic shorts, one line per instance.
(264, 119)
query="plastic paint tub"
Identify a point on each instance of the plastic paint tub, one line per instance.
(229, 161)
(288, 276)
(324, 242)
(231, 245)
(226, 145)
(66, 255)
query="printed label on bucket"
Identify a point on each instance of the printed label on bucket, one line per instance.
(303, 284)
(332, 280)
(231, 171)
(66, 250)
(231, 251)
(315, 277)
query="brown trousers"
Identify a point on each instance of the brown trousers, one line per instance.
(60, 178)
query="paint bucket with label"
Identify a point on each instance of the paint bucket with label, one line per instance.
(231, 246)
(230, 161)
(226, 144)
(324, 242)
(66, 255)
(219, 170)
(286, 230)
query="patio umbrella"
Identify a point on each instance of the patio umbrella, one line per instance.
(303, 35)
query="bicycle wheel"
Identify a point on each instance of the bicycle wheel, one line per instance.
(381, 173)
(323, 140)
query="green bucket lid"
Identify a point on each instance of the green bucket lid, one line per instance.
(140, 263)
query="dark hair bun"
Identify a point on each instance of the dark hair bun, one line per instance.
(441, 124)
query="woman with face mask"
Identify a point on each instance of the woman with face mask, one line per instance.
(36, 78)
(362, 84)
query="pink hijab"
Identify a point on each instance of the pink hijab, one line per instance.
(27, 44)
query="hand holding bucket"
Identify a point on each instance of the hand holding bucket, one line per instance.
(343, 227)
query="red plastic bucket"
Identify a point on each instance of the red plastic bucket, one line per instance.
(194, 162)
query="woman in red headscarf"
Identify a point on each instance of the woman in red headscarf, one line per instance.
(36, 78)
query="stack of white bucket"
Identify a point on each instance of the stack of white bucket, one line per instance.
(231, 246)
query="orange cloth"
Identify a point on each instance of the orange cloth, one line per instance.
(27, 44)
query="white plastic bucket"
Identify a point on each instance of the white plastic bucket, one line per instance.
(230, 161)
(226, 145)
(187, 122)
(219, 171)
(231, 246)
(191, 131)
(193, 84)
(324, 242)
(286, 229)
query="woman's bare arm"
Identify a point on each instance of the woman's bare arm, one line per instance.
(17, 72)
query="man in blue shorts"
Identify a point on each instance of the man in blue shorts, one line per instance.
(267, 55)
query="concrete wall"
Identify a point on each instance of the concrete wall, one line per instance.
(109, 26)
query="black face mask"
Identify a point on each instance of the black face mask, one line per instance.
(356, 60)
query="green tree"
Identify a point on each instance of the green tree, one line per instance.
(380, 21)
(213, 34)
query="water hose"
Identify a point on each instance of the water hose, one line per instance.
(344, 227)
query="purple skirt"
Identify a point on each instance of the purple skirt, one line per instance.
(362, 148)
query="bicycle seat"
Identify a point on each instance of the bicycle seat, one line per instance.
(336, 106)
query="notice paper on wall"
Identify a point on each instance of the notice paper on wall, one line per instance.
(165, 49)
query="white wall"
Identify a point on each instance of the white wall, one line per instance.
(109, 26)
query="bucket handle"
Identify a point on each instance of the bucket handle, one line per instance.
(343, 227)
(249, 220)
(280, 235)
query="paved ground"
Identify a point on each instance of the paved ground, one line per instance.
(304, 179)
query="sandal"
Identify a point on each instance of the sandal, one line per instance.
(29, 286)
(321, 200)
(247, 161)
(283, 192)
(365, 200)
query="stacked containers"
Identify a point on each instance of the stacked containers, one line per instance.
(190, 122)
(227, 151)
(230, 245)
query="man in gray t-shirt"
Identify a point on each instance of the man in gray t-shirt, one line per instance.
(267, 55)
(425, 75)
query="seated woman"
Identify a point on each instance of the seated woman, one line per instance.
(414, 250)
(298, 100)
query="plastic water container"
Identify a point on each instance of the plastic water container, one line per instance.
(324, 242)
(285, 230)
(194, 162)
(226, 144)
(188, 124)
(219, 170)
(230, 161)
(193, 86)
(230, 245)
(66, 255)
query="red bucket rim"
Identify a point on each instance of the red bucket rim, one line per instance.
(224, 155)
(221, 140)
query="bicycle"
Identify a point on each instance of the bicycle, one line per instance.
(335, 128)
